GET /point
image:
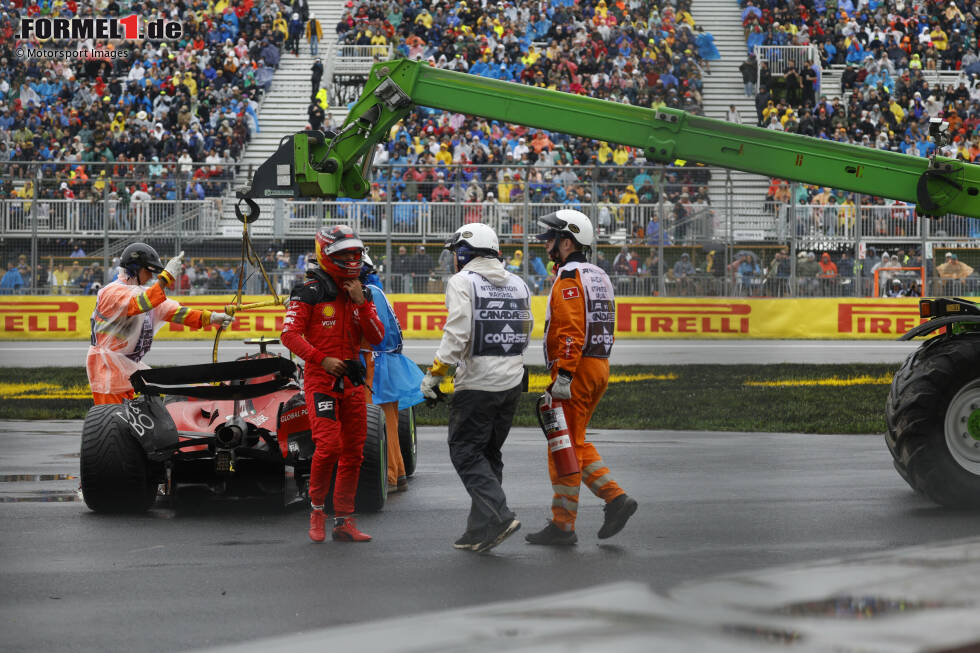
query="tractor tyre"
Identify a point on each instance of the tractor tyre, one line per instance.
(115, 473)
(406, 439)
(933, 418)
(372, 485)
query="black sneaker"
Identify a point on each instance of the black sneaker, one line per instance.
(469, 541)
(553, 536)
(496, 534)
(618, 512)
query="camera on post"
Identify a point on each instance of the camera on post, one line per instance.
(939, 130)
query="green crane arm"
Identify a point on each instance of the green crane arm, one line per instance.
(314, 164)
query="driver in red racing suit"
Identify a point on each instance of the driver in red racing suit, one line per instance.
(325, 321)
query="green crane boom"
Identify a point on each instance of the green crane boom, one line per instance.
(314, 164)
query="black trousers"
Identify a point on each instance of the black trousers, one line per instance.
(479, 422)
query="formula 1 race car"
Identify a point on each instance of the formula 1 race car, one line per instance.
(234, 429)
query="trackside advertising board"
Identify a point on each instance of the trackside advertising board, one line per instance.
(423, 316)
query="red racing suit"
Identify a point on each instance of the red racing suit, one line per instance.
(322, 321)
(578, 336)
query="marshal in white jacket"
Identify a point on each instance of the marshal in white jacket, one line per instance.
(489, 373)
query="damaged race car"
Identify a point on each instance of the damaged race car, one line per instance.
(230, 430)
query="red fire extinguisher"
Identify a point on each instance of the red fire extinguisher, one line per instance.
(551, 417)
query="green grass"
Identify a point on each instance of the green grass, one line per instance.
(715, 398)
(700, 398)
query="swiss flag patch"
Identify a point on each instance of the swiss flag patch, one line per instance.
(569, 293)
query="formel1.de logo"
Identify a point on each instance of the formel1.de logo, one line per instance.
(75, 29)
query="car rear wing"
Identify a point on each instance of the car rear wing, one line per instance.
(217, 380)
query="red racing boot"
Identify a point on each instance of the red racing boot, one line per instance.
(318, 521)
(345, 530)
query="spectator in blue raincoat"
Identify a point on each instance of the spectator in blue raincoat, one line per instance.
(706, 45)
(12, 281)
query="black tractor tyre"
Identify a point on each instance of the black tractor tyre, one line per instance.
(406, 439)
(115, 474)
(933, 418)
(372, 485)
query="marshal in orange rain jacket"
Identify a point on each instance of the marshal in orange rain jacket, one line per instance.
(579, 334)
(125, 319)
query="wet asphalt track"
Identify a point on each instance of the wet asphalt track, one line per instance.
(626, 352)
(710, 503)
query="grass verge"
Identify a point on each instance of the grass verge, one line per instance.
(762, 398)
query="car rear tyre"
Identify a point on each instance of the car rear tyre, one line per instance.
(406, 439)
(933, 417)
(115, 473)
(372, 485)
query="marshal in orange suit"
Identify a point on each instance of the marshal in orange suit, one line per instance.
(579, 328)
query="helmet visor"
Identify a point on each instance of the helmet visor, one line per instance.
(342, 244)
(553, 224)
(453, 241)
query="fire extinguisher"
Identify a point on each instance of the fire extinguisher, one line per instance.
(551, 417)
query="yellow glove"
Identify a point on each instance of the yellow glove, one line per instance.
(433, 377)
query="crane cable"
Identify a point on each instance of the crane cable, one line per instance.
(248, 256)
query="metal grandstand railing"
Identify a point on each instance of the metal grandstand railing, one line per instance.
(437, 220)
(59, 217)
(354, 59)
(779, 56)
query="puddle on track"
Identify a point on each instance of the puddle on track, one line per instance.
(857, 607)
(42, 496)
(33, 478)
(11, 495)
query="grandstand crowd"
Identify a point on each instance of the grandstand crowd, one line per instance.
(887, 47)
(889, 51)
(648, 54)
(188, 105)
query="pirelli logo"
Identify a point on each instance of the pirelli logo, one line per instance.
(421, 315)
(690, 318)
(260, 320)
(878, 317)
(39, 317)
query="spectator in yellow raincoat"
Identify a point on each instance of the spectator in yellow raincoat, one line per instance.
(629, 196)
(280, 25)
(504, 188)
(425, 18)
(621, 155)
(190, 83)
(444, 156)
(313, 34)
(604, 154)
(321, 98)
(118, 123)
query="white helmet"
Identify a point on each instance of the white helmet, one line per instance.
(480, 237)
(472, 240)
(568, 221)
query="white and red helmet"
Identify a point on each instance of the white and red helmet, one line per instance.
(332, 240)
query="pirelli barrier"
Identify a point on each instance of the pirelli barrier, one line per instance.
(422, 316)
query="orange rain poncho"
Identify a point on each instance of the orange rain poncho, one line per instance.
(125, 319)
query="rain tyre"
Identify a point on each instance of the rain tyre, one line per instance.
(372, 485)
(407, 440)
(929, 415)
(115, 474)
